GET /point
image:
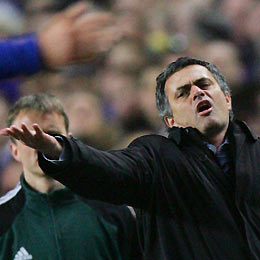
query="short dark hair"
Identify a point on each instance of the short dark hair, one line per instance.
(39, 102)
(162, 101)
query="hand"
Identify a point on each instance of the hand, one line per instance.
(35, 139)
(74, 35)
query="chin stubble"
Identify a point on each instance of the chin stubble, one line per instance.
(213, 129)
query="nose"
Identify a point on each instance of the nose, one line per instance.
(197, 92)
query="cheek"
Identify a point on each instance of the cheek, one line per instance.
(184, 116)
(184, 110)
(27, 153)
(223, 105)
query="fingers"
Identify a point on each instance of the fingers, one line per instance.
(35, 139)
(98, 42)
(26, 131)
(75, 36)
(93, 21)
(23, 133)
(37, 129)
(39, 134)
(29, 136)
(76, 10)
(15, 132)
(4, 132)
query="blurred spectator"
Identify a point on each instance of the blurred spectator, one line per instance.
(95, 130)
(226, 56)
(119, 93)
(147, 98)
(126, 57)
(8, 177)
(12, 19)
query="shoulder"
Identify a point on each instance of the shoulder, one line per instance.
(241, 127)
(152, 140)
(155, 146)
(11, 205)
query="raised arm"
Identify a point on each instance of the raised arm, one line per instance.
(71, 36)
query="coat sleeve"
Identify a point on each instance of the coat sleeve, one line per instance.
(119, 177)
(20, 55)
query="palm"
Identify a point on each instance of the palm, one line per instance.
(34, 138)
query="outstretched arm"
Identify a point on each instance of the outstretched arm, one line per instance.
(35, 139)
(71, 36)
(121, 177)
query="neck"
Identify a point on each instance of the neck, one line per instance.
(42, 183)
(218, 138)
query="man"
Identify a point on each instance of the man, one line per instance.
(71, 36)
(40, 219)
(196, 193)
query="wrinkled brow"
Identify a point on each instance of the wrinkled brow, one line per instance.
(196, 82)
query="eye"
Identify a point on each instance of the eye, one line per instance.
(181, 94)
(204, 85)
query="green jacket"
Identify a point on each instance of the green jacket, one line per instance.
(62, 225)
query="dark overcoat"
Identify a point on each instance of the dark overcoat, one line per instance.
(187, 207)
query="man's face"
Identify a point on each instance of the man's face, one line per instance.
(52, 123)
(196, 100)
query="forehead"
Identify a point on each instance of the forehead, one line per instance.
(187, 75)
(46, 121)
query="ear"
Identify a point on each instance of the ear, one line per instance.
(229, 101)
(14, 151)
(169, 121)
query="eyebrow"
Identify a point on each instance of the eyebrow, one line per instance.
(195, 82)
(202, 80)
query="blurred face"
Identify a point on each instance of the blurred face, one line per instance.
(52, 123)
(197, 101)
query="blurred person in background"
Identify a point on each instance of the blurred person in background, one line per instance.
(41, 219)
(226, 56)
(96, 131)
(127, 57)
(146, 98)
(119, 94)
(5, 155)
(70, 36)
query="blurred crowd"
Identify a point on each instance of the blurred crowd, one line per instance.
(112, 100)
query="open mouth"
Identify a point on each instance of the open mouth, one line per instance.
(204, 108)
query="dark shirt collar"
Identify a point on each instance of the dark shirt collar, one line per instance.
(214, 149)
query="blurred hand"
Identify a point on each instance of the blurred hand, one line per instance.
(35, 139)
(74, 35)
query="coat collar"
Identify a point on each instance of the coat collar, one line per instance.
(242, 125)
(179, 134)
(185, 135)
